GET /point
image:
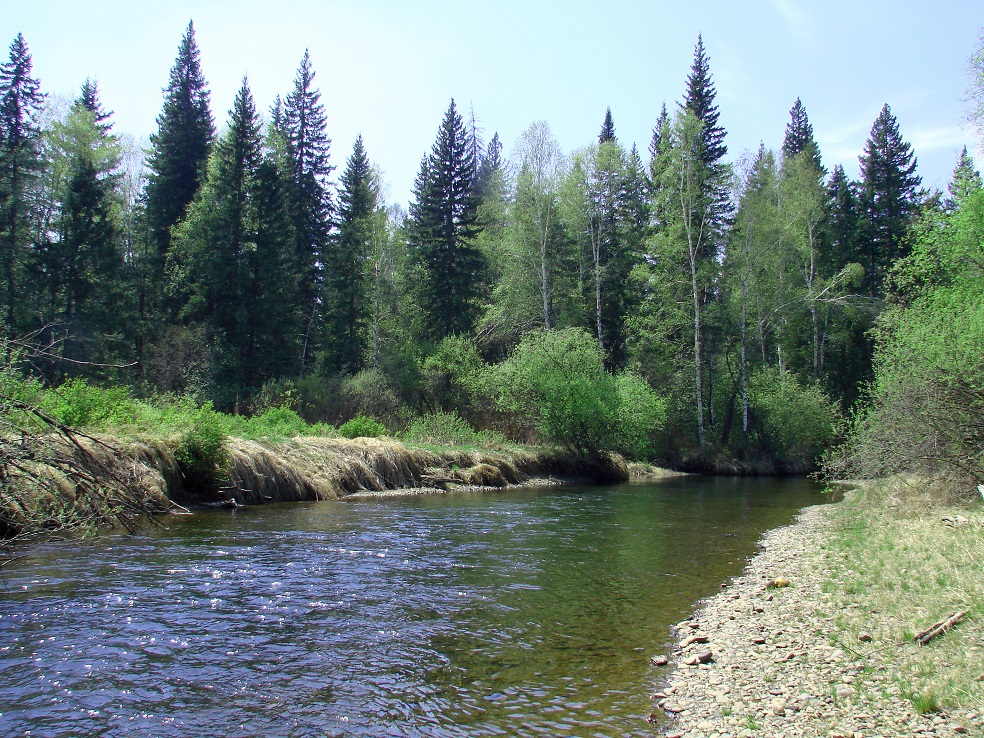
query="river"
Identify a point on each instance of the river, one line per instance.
(527, 612)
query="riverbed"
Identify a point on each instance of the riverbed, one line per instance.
(532, 611)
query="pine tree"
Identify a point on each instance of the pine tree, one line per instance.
(659, 131)
(888, 201)
(357, 202)
(179, 150)
(21, 101)
(607, 128)
(309, 148)
(444, 225)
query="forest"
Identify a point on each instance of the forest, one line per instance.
(666, 305)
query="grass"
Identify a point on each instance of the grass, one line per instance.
(903, 568)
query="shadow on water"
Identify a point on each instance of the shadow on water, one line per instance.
(526, 612)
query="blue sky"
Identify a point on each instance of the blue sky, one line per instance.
(388, 69)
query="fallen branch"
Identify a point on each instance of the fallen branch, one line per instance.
(939, 628)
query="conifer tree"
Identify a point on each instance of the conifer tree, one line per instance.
(21, 101)
(888, 199)
(443, 229)
(304, 128)
(489, 167)
(357, 202)
(230, 265)
(89, 99)
(699, 100)
(179, 150)
(799, 136)
(965, 180)
(607, 128)
(83, 264)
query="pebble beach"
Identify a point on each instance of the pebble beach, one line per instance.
(765, 657)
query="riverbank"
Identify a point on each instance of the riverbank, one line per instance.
(79, 482)
(830, 651)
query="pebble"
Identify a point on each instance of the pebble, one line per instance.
(720, 692)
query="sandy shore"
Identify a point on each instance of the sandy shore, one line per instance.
(777, 665)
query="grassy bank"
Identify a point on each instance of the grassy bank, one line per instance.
(816, 637)
(900, 559)
(57, 478)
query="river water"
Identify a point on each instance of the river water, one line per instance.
(531, 612)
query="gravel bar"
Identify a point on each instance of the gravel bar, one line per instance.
(764, 657)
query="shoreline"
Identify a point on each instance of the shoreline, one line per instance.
(774, 661)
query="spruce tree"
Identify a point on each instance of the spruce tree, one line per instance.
(490, 167)
(207, 264)
(799, 136)
(843, 224)
(89, 99)
(443, 229)
(309, 148)
(21, 104)
(179, 150)
(357, 202)
(699, 100)
(965, 181)
(888, 201)
(607, 132)
(83, 264)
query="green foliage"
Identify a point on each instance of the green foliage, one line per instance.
(797, 420)
(451, 374)
(78, 404)
(441, 429)
(362, 427)
(201, 450)
(276, 423)
(927, 409)
(641, 416)
(558, 378)
(444, 227)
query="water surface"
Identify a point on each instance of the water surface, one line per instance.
(514, 613)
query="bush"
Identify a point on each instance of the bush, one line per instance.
(451, 372)
(558, 379)
(641, 416)
(442, 429)
(78, 404)
(362, 427)
(277, 422)
(796, 422)
(201, 451)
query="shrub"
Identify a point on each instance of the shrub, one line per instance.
(442, 429)
(275, 422)
(558, 378)
(78, 404)
(641, 416)
(796, 422)
(362, 427)
(201, 451)
(451, 372)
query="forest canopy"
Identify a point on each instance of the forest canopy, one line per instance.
(667, 304)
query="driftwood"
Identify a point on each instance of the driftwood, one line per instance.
(939, 628)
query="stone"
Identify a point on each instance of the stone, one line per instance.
(778, 707)
(660, 660)
(865, 637)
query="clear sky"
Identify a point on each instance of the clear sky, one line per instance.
(389, 68)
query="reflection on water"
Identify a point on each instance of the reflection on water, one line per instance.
(518, 613)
